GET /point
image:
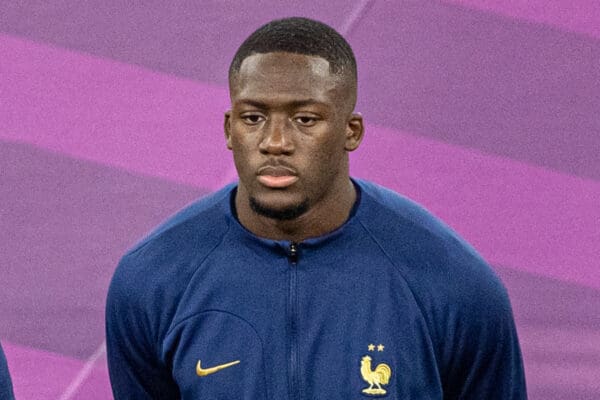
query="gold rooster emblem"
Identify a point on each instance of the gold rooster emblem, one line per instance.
(381, 376)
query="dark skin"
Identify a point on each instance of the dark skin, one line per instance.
(290, 128)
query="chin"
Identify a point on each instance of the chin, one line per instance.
(279, 212)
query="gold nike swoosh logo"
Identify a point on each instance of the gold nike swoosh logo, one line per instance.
(207, 371)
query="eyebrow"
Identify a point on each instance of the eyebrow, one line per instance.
(293, 104)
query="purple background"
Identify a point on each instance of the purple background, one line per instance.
(487, 112)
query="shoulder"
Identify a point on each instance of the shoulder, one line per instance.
(197, 218)
(191, 230)
(443, 269)
(386, 203)
(457, 291)
(395, 220)
(153, 274)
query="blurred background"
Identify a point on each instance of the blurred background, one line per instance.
(486, 112)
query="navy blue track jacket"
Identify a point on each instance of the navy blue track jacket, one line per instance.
(391, 305)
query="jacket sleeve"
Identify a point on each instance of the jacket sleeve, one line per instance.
(6, 390)
(135, 368)
(483, 359)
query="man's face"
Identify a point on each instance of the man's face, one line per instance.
(290, 128)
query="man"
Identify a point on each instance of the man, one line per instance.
(6, 390)
(299, 282)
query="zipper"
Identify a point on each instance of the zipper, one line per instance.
(293, 298)
(293, 253)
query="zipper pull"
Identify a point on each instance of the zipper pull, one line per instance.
(294, 252)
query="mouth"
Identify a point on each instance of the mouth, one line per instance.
(277, 177)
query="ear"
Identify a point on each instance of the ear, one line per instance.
(227, 129)
(354, 132)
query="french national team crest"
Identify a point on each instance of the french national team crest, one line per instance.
(376, 375)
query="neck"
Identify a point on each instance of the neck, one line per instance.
(320, 219)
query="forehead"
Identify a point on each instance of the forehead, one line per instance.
(286, 75)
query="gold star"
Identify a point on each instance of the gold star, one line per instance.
(380, 347)
(371, 347)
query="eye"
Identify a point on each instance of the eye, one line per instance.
(306, 120)
(252, 119)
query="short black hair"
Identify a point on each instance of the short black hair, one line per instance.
(301, 36)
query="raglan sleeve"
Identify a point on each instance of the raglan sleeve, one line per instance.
(135, 368)
(483, 359)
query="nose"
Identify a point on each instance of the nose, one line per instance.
(277, 137)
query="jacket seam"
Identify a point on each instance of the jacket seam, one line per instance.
(194, 272)
(416, 299)
(161, 338)
(215, 310)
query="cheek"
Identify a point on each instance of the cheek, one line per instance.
(243, 143)
(241, 157)
(327, 160)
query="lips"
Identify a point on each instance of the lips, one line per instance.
(277, 177)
